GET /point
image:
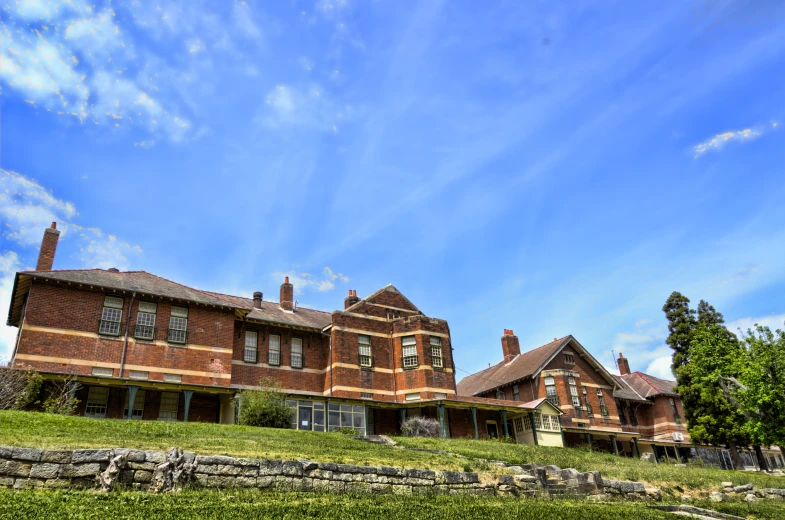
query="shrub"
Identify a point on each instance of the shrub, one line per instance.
(62, 398)
(265, 406)
(19, 388)
(348, 431)
(421, 427)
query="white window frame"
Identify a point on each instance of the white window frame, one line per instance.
(173, 378)
(550, 391)
(251, 349)
(102, 372)
(111, 316)
(97, 402)
(145, 320)
(527, 423)
(296, 354)
(138, 406)
(413, 397)
(169, 406)
(178, 325)
(576, 399)
(603, 406)
(409, 352)
(436, 352)
(274, 350)
(364, 350)
(138, 374)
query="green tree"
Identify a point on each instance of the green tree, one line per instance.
(681, 324)
(707, 315)
(711, 417)
(759, 390)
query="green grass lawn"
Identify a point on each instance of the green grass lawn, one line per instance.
(23, 505)
(31, 429)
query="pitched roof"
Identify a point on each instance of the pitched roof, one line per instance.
(649, 386)
(149, 284)
(132, 281)
(271, 312)
(504, 373)
(623, 390)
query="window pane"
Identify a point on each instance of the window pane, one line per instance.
(346, 408)
(335, 419)
(169, 405)
(97, 398)
(346, 420)
(250, 339)
(359, 421)
(548, 380)
(436, 340)
(178, 323)
(297, 345)
(113, 301)
(181, 312)
(148, 307)
(364, 340)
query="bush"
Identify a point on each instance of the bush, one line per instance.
(265, 407)
(348, 431)
(421, 427)
(19, 388)
(62, 397)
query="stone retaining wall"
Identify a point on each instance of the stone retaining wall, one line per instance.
(157, 471)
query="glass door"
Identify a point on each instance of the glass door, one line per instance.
(304, 418)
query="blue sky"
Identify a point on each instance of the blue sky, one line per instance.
(554, 168)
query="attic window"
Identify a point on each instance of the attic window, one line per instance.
(569, 359)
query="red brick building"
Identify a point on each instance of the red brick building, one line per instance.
(144, 347)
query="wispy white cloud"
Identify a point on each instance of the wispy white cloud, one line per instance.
(306, 281)
(772, 321)
(79, 62)
(26, 209)
(310, 108)
(719, 141)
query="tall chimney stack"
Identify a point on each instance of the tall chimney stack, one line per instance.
(510, 345)
(351, 299)
(46, 257)
(624, 365)
(257, 300)
(287, 295)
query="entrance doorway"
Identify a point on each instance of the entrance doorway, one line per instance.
(304, 418)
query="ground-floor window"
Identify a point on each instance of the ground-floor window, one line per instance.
(307, 415)
(97, 400)
(169, 404)
(138, 411)
(346, 416)
(493, 429)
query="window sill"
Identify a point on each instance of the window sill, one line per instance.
(437, 369)
(411, 368)
(366, 369)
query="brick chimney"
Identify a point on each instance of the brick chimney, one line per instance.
(46, 257)
(624, 365)
(257, 300)
(351, 299)
(287, 295)
(510, 345)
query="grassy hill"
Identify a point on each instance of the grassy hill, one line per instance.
(52, 431)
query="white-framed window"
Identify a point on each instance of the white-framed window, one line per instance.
(346, 416)
(413, 397)
(274, 351)
(250, 351)
(103, 372)
(569, 359)
(138, 374)
(297, 352)
(547, 422)
(138, 412)
(366, 395)
(364, 349)
(518, 422)
(178, 325)
(527, 423)
(111, 316)
(538, 421)
(439, 395)
(601, 398)
(173, 378)
(145, 320)
(436, 352)
(550, 391)
(576, 399)
(516, 393)
(97, 399)
(170, 401)
(409, 344)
